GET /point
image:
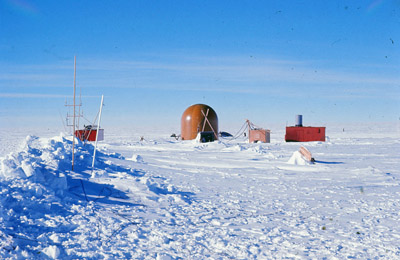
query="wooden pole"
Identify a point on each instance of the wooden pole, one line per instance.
(249, 127)
(98, 130)
(73, 134)
(204, 125)
(205, 117)
(80, 104)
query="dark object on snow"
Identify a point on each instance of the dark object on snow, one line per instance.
(225, 134)
(175, 136)
(207, 136)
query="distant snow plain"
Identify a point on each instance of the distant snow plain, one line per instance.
(162, 198)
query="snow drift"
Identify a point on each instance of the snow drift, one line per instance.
(41, 163)
(298, 159)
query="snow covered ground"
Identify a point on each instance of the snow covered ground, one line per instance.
(167, 199)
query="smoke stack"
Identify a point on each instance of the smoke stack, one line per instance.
(299, 120)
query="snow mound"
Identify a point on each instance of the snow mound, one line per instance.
(137, 158)
(53, 252)
(42, 161)
(298, 159)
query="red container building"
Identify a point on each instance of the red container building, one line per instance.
(259, 135)
(304, 134)
(89, 134)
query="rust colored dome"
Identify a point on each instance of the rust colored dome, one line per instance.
(193, 121)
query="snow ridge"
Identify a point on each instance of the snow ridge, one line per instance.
(50, 211)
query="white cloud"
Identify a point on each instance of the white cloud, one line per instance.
(33, 95)
(242, 70)
(227, 74)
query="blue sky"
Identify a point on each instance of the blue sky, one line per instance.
(332, 61)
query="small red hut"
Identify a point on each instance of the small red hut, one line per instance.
(89, 134)
(300, 133)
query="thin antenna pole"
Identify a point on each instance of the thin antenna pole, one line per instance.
(73, 134)
(62, 120)
(80, 104)
(97, 132)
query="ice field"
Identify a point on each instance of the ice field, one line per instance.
(162, 198)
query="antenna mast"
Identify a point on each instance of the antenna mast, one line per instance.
(74, 115)
(73, 133)
(97, 132)
(80, 104)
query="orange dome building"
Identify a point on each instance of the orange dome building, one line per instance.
(194, 121)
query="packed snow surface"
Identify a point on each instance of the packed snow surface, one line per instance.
(166, 199)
